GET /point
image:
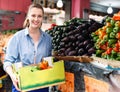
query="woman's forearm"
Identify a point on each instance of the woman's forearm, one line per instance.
(9, 70)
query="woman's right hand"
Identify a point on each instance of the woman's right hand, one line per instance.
(13, 77)
(15, 81)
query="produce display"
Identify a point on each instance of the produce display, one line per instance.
(73, 38)
(107, 39)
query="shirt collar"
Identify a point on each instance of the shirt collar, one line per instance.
(27, 32)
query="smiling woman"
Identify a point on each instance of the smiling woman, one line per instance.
(28, 45)
(35, 18)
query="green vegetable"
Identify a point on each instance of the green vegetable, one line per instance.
(113, 54)
(34, 68)
(109, 30)
(116, 29)
(111, 41)
(112, 22)
(104, 56)
(103, 42)
(93, 34)
(117, 23)
(108, 56)
(108, 19)
(97, 46)
(118, 58)
(95, 38)
(106, 37)
(99, 52)
(118, 54)
(112, 35)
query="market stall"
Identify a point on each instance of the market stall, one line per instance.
(91, 54)
(101, 42)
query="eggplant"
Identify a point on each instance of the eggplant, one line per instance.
(93, 28)
(76, 35)
(83, 26)
(80, 38)
(62, 44)
(86, 54)
(59, 47)
(61, 50)
(98, 25)
(91, 51)
(91, 21)
(87, 25)
(85, 33)
(70, 44)
(68, 50)
(75, 31)
(65, 39)
(69, 33)
(76, 48)
(81, 45)
(86, 42)
(63, 35)
(72, 38)
(74, 44)
(88, 46)
(77, 43)
(81, 51)
(55, 48)
(72, 27)
(79, 27)
(61, 54)
(72, 53)
(66, 45)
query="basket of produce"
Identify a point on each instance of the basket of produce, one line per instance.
(46, 73)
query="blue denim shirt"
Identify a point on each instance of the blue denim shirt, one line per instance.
(21, 48)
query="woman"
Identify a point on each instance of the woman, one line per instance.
(28, 45)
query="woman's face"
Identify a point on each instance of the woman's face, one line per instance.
(35, 17)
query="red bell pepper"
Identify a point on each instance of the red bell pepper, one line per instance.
(118, 35)
(108, 51)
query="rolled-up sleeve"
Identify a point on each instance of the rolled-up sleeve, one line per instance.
(11, 52)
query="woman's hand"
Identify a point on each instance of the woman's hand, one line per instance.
(13, 77)
(15, 81)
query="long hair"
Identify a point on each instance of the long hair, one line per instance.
(34, 5)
